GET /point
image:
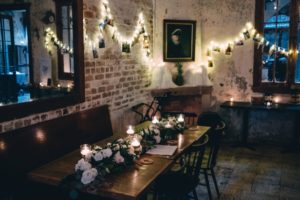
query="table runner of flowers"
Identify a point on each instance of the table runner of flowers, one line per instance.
(119, 154)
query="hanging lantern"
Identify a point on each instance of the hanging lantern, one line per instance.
(246, 34)
(238, 42)
(210, 62)
(228, 50)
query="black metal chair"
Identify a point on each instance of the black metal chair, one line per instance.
(182, 180)
(218, 126)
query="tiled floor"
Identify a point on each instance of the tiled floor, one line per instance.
(264, 174)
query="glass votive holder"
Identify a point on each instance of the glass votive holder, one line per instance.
(86, 151)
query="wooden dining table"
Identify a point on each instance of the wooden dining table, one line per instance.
(133, 182)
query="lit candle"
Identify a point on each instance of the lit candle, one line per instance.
(269, 104)
(136, 145)
(130, 130)
(85, 150)
(135, 142)
(180, 118)
(155, 120)
(168, 125)
(231, 99)
(276, 100)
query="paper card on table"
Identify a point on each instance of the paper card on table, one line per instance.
(164, 150)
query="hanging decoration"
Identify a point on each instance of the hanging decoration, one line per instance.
(51, 37)
(140, 33)
(247, 33)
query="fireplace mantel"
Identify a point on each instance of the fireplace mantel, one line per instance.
(182, 91)
(184, 99)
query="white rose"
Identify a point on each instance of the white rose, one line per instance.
(98, 156)
(156, 131)
(131, 151)
(89, 176)
(118, 158)
(82, 165)
(120, 140)
(117, 147)
(142, 133)
(157, 139)
(106, 153)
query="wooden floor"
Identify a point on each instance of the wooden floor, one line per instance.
(264, 174)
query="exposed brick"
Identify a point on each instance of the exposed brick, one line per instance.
(108, 75)
(44, 117)
(18, 124)
(89, 78)
(89, 14)
(101, 89)
(89, 64)
(110, 87)
(94, 90)
(27, 122)
(99, 77)
(122, 79)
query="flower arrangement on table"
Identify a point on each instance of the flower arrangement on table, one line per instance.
(98, 161)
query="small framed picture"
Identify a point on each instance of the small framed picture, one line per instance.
(179, 40)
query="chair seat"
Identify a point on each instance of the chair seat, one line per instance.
(176, 184)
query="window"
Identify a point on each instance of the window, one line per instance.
(276, 63)
(65, 31)
(14, 56)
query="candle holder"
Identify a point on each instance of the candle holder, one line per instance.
(155, 120)
(130, 132)
(136, 145)
(85, 151)
(180, 119)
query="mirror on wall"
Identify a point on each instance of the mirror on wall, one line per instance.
(39, 58)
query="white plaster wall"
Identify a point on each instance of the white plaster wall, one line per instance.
(175, 9)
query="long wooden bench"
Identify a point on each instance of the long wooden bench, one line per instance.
(27, 148)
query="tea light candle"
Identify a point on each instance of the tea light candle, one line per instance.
(269, 104)
(135, 143)
(85, 150)
(130, 130)
(168, 125)
(231, 99)
(155, 120)
(180, 118)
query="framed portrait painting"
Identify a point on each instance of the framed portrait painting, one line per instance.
(179, 40)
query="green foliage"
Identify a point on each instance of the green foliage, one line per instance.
(179, 78)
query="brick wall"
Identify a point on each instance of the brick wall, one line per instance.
(113, 78)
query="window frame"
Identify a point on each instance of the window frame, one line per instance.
(258, 85)
(59, 4)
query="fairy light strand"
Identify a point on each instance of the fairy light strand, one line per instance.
(247, 32)
(52, 38)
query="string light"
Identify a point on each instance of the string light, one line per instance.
(52, 38)
(139, 34)
(247, 32)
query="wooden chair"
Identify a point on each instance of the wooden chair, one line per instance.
(180, 182)
(218, 126)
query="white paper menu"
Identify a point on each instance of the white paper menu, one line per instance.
(164, 150)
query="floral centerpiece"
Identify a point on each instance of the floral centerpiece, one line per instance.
(119, 154)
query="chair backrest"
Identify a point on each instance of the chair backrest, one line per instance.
(217, 125)
(194, 157)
